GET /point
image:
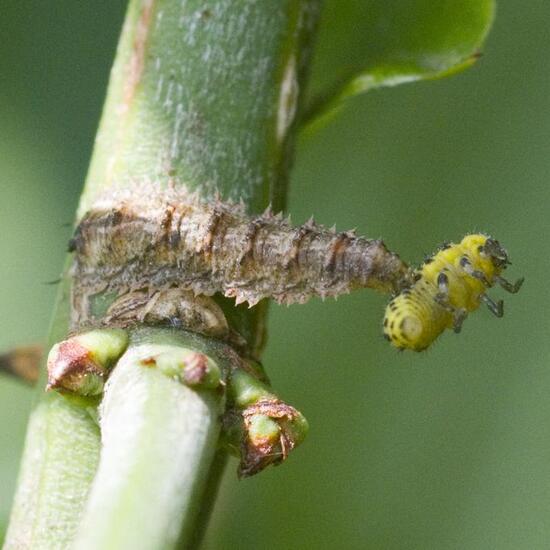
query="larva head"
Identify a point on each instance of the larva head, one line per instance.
(487, 254)
(496, 253)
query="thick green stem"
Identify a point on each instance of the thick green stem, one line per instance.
(54, 478)
(157, 445)
(59, 461)
(203, 94)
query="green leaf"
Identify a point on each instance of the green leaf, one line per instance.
(369, 44)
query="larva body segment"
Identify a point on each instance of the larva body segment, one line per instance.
(448, 286)
(413, 319)
(175, 240)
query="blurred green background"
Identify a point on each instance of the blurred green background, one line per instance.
(449, 449)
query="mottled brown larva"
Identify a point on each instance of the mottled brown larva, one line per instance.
(175, 240)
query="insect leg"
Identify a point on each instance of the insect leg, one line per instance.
(468, 268)
(442, 296)
(496, 308)
(508, 286)
(441, 299)
(458, 318)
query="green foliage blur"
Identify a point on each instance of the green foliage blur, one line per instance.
(449, 449)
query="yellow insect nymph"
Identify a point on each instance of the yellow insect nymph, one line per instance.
(448, 286)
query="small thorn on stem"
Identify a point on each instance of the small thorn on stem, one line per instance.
(259, 427)
(271, 430)
(82, 363)
(194, 369)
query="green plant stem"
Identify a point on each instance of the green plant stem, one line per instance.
(45, 514)
(210, 493)
(203, 94)
(158, 444)
(60, 458)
